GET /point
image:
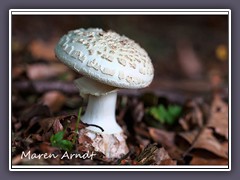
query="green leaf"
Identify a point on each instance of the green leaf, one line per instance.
(155, 113)
(165, 115)
(57, 137)
(66, 145)
(58, 141)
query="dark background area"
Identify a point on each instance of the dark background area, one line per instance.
(189, 52)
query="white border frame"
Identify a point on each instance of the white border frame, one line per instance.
(117, 12)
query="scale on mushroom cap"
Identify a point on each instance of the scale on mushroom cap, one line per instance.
(108, 62)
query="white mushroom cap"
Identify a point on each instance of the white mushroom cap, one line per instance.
(106, 57)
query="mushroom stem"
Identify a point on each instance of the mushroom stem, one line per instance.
(101, 112)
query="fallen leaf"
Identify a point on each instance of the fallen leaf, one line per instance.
(162, 158)
(193, 117)
(141, 130)
(42, 71)
(167, 140)
(46, 124)
(163, 137)
(205, 141)
(54, 100)
(189, 136)
(56, 121)
(219, 117)
(57, 126)
(43, 49)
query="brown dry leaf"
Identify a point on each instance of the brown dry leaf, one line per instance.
(45, 71)
(54, 100)
(189, 136)
(46, 124)
(162, 137)
(167, 140)
(194, 117)
(196, 160)
(141, 130)
(53, 122)
(219, 117)
(43, 50)
(207, 141)
(57, 126)
(162, 158)
(72, 123)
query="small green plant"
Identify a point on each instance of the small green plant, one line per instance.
(165, 115)
(58, 141)
(66, 145)
(76, 128)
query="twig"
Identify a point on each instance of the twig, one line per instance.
(93, 125)
(147, 154)
(193, 143)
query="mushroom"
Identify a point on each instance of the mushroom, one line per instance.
(107, 61)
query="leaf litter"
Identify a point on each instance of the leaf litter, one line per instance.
(202, 138)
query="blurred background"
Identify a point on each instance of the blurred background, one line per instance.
(189, 53)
